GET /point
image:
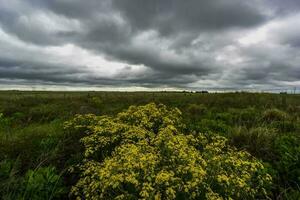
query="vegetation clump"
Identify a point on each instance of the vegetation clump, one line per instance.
(143, 153)
(273, 115)
(41, 183)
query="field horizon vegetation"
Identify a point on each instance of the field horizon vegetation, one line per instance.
(149, 145)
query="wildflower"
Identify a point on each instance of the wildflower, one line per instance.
(141, 154)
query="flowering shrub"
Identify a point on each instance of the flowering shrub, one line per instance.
(142, 154)
(81, 123)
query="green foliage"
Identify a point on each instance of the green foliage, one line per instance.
(273, 115)
(196, 110)
(142, 153)
(43, 183)
(32, 144)
(248, 117)
(5, 169)
(288, 149)
(224, 117)
(10, 183)
(258, 141)
(96, 102)
(215, 126)
(18, 117)
(285, 126)
(248, 114)
(43, 112)
(5, 124)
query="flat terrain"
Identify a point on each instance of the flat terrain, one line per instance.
(34, 144)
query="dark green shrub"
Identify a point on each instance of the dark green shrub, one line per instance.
(249, 116)
(258, 141)
(274, 114)
(228, 118)
(288, 149)
(195, 111)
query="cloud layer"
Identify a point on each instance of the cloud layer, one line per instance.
(152, 44)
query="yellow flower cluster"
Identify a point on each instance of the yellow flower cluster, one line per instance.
(142, 154)
(81, 122)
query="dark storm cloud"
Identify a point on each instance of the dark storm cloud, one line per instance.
(173, 16)
(170, 43)
(176, 21)
(12, 69)
(35, 72)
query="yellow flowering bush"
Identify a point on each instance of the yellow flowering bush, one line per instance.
(81, 123)
(234, 174)
(143, 154)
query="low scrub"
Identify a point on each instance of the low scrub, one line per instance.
(143, 153)
(258, 141)
(273, 115)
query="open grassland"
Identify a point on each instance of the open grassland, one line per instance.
(43, 157)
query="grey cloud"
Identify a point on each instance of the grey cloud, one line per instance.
(285, 7)
(184, 41)
(36, 72)
(23, 27)
(267, 66)
(13, 69)
(78, 9)
(173, 16)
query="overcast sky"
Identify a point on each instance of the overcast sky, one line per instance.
(192, 44)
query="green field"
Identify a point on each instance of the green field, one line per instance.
(40, 159)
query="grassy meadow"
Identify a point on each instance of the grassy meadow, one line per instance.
(53, 144)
